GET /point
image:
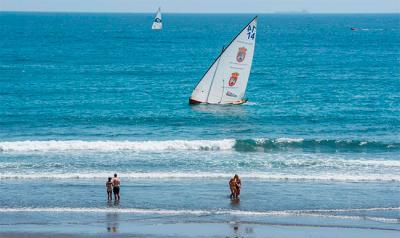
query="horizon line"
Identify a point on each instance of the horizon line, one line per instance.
(167, 12)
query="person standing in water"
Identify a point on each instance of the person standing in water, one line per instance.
(116, 182)
(238, 185)
(109, 189)
(233, 188)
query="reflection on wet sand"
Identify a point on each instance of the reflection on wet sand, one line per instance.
(235, 202)
(239, 231)
(112, 222)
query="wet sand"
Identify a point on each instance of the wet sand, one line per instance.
(155, 229)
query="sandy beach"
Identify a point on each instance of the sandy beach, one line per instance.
(205, 229)
(115, 224)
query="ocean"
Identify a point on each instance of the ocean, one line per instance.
(84, 96)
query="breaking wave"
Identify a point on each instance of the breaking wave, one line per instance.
(79, 145)
(333, 213)
(242, 145)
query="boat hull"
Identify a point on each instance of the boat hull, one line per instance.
(194, 102)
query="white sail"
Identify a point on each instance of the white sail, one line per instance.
(157, 23)
(226, 80)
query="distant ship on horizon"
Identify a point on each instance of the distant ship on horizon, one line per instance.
(304, 11)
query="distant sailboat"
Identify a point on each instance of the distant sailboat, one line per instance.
(226, 79)
(157, 23)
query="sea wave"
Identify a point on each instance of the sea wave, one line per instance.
(79, 145)
(242, 145)
(210, 175)
(317, 213)
(320, 145)
(282, 161)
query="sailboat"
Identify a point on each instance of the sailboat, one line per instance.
(226, 79)
(157, 23)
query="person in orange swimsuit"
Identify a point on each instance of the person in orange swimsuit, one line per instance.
(238, 185)
(233, 188)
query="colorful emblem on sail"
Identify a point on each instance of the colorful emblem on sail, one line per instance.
(233, 79)
(241, 55)
(157, 20)
(230, 94)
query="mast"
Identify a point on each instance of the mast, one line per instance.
(215, 72)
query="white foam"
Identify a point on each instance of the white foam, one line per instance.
(386, 163)
(289, 140)
(337, 161)
(279, 140)
(79, 145)
(314, 213)
(210, 175)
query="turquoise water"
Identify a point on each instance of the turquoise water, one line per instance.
(85, 95)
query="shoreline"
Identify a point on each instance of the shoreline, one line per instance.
(155, 225)
(156, 229)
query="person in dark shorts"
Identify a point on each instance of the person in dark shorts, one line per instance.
(116, 182)
(109, 189)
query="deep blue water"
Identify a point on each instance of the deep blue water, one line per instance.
(109, 76)
(85, 95)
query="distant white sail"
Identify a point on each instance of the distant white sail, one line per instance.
(157, 23)
(226, 80)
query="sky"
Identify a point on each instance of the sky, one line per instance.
(204, 6)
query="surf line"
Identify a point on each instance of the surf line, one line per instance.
(312, 213)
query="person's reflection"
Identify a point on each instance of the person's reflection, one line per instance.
(235, 203)
(236, 228)
(249, 230)
(112, 222)
(239, 230)
(112, 204)
(236, 231)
